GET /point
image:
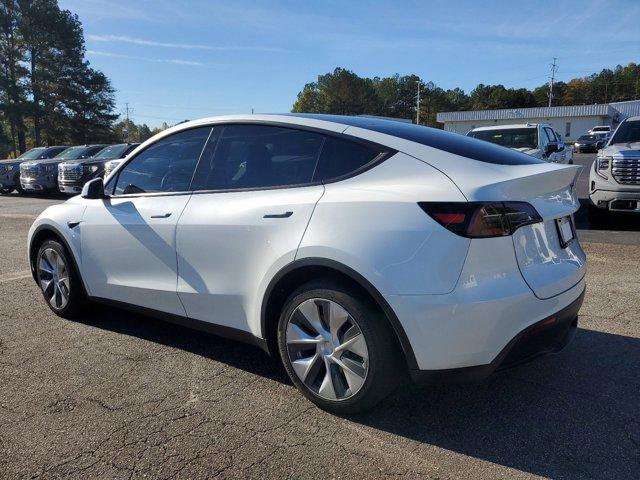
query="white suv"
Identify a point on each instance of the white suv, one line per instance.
(353, 248)
(536, 139)
(614, 178)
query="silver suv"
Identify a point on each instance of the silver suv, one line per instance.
(614, 180)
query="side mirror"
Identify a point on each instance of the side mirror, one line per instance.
(93, 189)
(551, 148)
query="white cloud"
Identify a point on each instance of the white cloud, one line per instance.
(186, 46)
(175, 61)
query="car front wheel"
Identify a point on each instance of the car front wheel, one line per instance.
(5, 191)
(58, 280)
(337, 348)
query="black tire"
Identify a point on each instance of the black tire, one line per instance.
(597, 217)
(5, 191)
(385, 360)
(76, 299)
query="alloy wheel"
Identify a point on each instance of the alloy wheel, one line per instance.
(327, 349)
(53, 275)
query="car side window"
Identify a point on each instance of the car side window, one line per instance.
(550, 135)
(544, 138)
(342, 157)
(258, 156)
(165, 166)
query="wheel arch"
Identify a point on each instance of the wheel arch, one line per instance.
(48, 232)
(303, 270)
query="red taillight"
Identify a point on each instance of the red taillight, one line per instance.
(482, 219)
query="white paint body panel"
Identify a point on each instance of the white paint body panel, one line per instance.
(228, 252)
(130, 257)
(372, 223)
(459, 301)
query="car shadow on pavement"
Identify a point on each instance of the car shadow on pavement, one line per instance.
(625, 222)
(233, 353)
(570, 415)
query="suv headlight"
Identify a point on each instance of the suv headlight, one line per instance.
(90, 168)
(602, 165)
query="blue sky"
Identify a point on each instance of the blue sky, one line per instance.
(175, 60)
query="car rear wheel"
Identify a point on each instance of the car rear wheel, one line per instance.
(58, 280)
(337, 348)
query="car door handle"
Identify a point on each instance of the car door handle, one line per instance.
(161, 215)
(278, 215)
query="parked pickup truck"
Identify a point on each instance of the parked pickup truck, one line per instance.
(614, 179)
(10, 168)
(42, 175)
(73, 174)
(536, 139)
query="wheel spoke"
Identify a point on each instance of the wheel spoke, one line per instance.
(297, 335)
(327, 388)
(304, 366)
(45, 284)
(353, 372)
(309, 310)
(355, 344)
(337, 318)
(45, 266)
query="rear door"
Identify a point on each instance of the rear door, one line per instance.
(253, 198)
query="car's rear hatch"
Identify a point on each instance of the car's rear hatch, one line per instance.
(549, 264)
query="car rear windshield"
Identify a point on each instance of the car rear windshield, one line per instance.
(509, 137)
(627, 132)
(433, 137)
(600, 129)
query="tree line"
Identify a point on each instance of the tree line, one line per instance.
(344, 92)
(49, 93)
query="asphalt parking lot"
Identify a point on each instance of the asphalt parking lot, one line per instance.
(119, 395)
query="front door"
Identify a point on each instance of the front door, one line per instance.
(128, 239)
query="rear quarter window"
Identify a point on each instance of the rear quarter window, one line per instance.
(341, 157)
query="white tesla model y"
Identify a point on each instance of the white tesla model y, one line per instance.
(353, 248)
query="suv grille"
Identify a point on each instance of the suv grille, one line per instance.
(626, 170)
(29, 171)
(69, 173)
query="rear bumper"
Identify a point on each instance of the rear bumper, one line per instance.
(549, 335)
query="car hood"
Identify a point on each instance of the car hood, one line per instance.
(11, 161)
(44, 161)
(88, 161)
(622, 150)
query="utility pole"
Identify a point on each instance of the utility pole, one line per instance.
(554, 69)
(418, 104)
(125, 130)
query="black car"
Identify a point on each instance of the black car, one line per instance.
(72, 175)
(589, 143)
(10, 168)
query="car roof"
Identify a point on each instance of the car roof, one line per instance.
(504, 127)
(393, 134)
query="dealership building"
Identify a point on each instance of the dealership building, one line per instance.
(571, 121)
